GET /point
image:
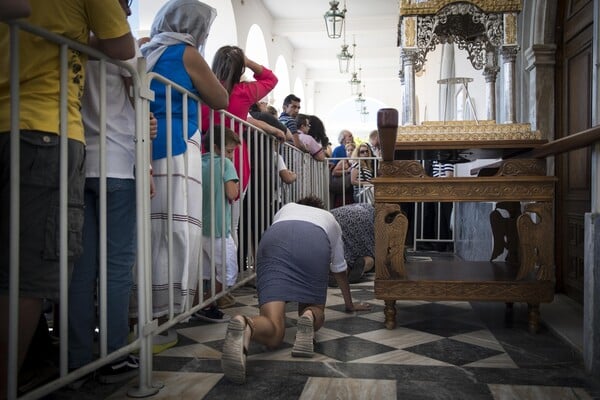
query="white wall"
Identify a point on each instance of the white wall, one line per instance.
(331, 101)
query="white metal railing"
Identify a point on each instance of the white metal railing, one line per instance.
(264, 189)
(365, 189)
(421, 211)
(142, 188)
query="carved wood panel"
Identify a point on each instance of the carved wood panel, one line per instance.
(574, 105)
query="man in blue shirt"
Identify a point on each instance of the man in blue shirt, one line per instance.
(291, 108)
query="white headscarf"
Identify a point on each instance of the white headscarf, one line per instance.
(178, 21)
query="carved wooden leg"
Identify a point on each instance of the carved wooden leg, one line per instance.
(390, 314)
(390, 232)
(534, 317)
(504, 231)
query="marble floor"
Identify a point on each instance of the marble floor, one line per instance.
(444, 350)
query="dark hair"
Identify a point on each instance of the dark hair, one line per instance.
(229, 65)
(312, 201)
(302, 120)
(289, 98)
(272, 110)
(254, 108)
(230, 137)
(317, 130)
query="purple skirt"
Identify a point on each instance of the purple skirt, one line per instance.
(293, 263)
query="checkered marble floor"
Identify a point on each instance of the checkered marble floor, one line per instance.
(443, 350)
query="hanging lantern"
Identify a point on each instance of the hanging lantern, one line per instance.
(360, 100)
(334, 20)
(355, 83)
(344, 59)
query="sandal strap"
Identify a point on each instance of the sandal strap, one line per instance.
(249, 323)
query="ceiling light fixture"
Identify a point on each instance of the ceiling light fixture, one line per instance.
(364, 114)
(344, 56)
(334, 19)
(360, 100)
(355, 80)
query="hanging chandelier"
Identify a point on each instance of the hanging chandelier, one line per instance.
(364, 114)
(360, 100)
(355, 81)
(334, 19)
(344, 58)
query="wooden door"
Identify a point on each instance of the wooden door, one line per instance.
(574, 114)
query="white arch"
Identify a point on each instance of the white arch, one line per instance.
(223, 30)
(283, 87)
(299, 91)
(256, 48)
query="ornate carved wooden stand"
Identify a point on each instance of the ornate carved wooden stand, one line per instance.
(527, 231)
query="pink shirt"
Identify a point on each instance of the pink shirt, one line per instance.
(243, 95)
(310, 143)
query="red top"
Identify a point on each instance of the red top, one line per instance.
(243, 95)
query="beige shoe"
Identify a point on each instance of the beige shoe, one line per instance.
(233, 359)
(304, 345)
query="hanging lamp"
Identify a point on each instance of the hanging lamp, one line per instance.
(334, 19)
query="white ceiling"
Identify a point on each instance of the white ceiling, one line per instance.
(373, 23)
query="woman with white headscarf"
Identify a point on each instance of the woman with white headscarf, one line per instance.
(177, 38)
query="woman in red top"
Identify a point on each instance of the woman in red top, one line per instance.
(229, 65)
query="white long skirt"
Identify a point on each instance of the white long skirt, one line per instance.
(187, 229)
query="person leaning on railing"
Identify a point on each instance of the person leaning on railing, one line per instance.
(39, 119)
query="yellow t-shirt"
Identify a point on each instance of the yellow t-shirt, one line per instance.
(39, 61)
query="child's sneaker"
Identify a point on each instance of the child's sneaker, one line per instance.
(119, 371)
(211, 314)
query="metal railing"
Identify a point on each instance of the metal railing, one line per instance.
(441, 232)
(264, 189)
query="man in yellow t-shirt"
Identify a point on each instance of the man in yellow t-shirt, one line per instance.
(101, 24)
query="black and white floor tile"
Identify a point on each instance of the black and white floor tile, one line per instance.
(444, 350)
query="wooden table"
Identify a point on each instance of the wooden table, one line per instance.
(518, 186)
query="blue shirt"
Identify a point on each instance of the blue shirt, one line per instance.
(338, 152)
(170, 65)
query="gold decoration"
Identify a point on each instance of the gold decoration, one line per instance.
(391, 226)
(522, 167)
(410, 7)
(510, 29)
(461, 131)
(401, 169)
(510, 188)
(410, 32)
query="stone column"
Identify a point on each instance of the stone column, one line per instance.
(591, 293)
(402, 93)
(408, 108)
(509, 55)
(408, 44)
(540, 65)
(490, 72)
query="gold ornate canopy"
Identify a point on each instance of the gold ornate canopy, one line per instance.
(485, 29)
(477, 26)
(415, 7)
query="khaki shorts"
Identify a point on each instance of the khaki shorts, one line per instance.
(39, 242)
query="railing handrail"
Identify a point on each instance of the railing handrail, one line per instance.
(565, 144)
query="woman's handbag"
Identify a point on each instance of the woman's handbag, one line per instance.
(339, 184)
